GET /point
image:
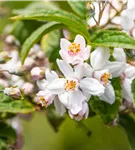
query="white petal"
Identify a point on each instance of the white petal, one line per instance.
(64, 98)
(92, 86)
(126, 90)
(98, 74)
(88, 71)
(87, 96)
(86, 53)
(42, 84)
(80, 40)
(119, 54)
(77, 60)
(79, 71)
(59, 106)
(50, 75)
(129, 71)
(57, 86)
(76, 100)
(109, 95)
(65, 68)
(116, 68)
(64, 44)
(99, 57)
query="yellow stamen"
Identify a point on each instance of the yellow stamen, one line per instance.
(105, 78)
(70, 85)
(74, 48)
(43, 101)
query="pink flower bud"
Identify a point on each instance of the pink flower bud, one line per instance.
(14, 92)
(37, 73)
(28, 88)
(10, 39)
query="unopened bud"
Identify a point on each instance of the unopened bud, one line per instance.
(10, 39)
(28, 88)
(37, 73)
(14, 92)
(4, 57)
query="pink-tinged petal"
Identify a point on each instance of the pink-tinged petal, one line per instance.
(57, 86)
(76, 100)
(129, 72)
(60, 108)
(126, 90)
(50, 75)
(116, 68)
(80, 40)
(65, 68)
(88, 71)
(119, 54)
(86, 53)
(77, 60)
(109, 95)
(99, 57)
(65, 56)
(92, 86)
(64, 44)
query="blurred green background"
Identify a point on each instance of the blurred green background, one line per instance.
(38, 133)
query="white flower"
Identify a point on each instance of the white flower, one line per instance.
(75, 52)
(74, 90)
(46, 97)
(127, 76)
(103, 70)
(83, 113)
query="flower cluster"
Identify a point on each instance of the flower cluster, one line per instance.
(80, 80)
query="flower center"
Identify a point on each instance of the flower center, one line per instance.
(105, 78)
(70, 85)
(43, 101)
(74, 48)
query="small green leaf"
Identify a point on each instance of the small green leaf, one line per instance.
(79, 8)
(73, 22)
(133, 90)
(6, 131)
(127, 121)
(111, 38)
(35, 36)
(106, 111)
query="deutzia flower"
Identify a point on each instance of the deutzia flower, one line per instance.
(46, 97)
(74, 89)
(76, 52)
(127, 76)
(81, 114)
(103, 70)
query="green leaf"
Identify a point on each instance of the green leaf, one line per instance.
(79, 8)
(128, 123)
(9, 105)
(110, 38)
(35, 36)
(22, 29)
(106, 111)
(74, 23)
(6, 131)
(133, 90)
(35, 6)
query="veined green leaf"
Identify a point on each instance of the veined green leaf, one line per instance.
(79, 8)
(133, 90)
(106, 111)
(111, 38)
(35, 36)
(73, 22)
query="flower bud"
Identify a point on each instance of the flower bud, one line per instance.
(4, 57)
(14, 92)
(28, 88)
(10, 39)
(37, 73)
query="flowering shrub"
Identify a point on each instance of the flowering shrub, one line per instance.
(84, 65)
